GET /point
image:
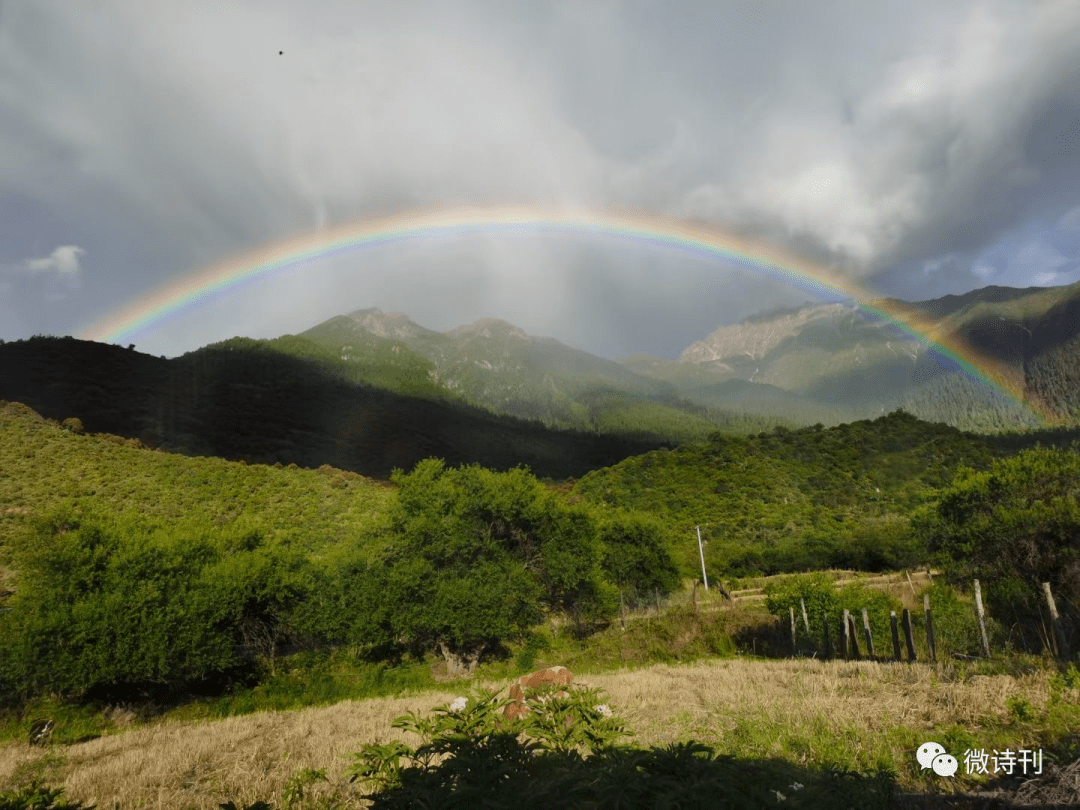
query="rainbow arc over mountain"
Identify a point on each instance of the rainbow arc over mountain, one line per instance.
(662, 233)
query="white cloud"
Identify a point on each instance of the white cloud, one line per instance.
(1035, 264)
(64, 259)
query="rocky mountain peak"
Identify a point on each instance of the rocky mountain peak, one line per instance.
(755, 338)
(396, 325)
(488, 327)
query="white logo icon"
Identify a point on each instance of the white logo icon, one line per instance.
(926, 753)
(944, 765)
(932, 755)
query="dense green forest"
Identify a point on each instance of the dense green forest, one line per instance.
(797, 500)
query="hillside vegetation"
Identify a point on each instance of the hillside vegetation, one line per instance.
(44, 467)
(496, 366)
(286, 400)
(797, 500)
(134, 579)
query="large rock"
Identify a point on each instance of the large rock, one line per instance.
(554, 676)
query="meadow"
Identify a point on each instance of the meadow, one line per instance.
(812, 714)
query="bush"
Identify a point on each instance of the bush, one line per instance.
(822, 598)
(479, 557)
(566, 752)
(636, 558)
(38, 797)
(105, 603)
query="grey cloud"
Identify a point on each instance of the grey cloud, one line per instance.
(869, 137)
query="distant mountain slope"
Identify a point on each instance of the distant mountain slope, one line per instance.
(495, 365)
(835, 361)
(287, 401)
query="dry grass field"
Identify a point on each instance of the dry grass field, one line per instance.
(855, 714)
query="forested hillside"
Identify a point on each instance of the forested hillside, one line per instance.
(802, 499)
(494, 365)
(289, 401)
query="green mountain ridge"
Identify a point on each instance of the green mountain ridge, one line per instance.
(826, 363)
(285, 401)
(835, 359)
(497, 366)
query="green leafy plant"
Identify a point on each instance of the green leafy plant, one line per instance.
(39, 797)
(566, 752)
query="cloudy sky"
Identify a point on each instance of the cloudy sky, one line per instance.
(919, 147)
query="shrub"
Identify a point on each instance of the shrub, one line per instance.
(39, 797)
(566, 752)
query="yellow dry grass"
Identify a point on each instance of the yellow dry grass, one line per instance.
(184, 765)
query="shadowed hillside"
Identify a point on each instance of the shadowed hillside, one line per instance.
(262, 401)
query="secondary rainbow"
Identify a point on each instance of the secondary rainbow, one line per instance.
(670, 234)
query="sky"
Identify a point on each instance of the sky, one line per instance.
(917, 148)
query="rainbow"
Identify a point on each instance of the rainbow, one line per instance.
(699, 240)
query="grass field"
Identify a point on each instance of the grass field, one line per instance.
(810, 713)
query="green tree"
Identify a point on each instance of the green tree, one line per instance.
(480, 556)
(1020, 519)
(103, 602)
(636, 556)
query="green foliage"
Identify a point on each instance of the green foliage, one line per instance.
(799, 500)
(956, 626)
(636, 557)
(111, 604)
(817, 591)
(480, 557)
(824, 599)
(46, 469)
(565, 752)
(39, 797)
(1019, 519)
(105, 602)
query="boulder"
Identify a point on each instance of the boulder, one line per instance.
(553, 676)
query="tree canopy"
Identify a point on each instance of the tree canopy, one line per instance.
(1019, 519)
(480, 556)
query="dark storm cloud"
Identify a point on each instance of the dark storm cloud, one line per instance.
(877, 138)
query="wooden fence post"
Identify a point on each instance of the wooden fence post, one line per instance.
(794, 645)
(869, 637)
(845, 644)
(805, 617)
(827, 639)
(930, 645)
(854, 638)
(1055, 619)
(895, 635)
(908, 639)
(982, 619)
(694, 595)
(910, 583)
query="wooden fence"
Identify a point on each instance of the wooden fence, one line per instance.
(855, 637)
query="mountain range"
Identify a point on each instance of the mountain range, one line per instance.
(825, 363)
(370, 390)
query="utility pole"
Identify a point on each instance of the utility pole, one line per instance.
(704, 576)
